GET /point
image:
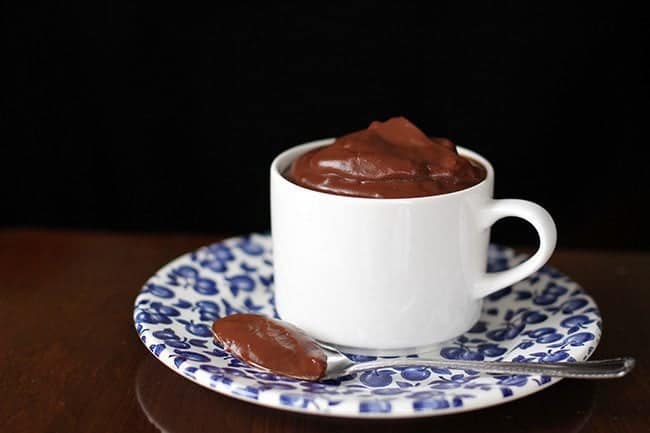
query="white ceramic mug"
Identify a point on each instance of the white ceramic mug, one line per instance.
(390, 275)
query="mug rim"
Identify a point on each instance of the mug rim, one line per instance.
(305, 147)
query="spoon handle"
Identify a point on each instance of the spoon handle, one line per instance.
(601, 369)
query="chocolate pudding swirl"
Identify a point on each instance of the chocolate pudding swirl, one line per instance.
(391, 159)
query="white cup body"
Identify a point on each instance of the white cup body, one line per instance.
(386, 275)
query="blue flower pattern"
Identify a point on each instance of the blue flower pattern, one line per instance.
(546, 317)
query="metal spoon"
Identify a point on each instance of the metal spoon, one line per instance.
(280, 347)
(340, 365)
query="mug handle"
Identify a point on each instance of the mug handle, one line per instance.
(541, 221)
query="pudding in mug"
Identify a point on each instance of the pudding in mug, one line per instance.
(380, 238)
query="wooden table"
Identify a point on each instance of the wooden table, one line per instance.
(70, 360)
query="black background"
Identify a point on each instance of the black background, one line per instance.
(141, 117)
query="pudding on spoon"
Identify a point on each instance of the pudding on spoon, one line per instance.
(281, 348)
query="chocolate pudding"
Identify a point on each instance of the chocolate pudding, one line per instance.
(271, 344)
(391, 159)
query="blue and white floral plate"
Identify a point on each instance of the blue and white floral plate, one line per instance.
(546, 317)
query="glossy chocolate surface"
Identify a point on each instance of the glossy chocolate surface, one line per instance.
(391, 159)
(271, 344)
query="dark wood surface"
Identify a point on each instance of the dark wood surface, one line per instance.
(70, 360)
